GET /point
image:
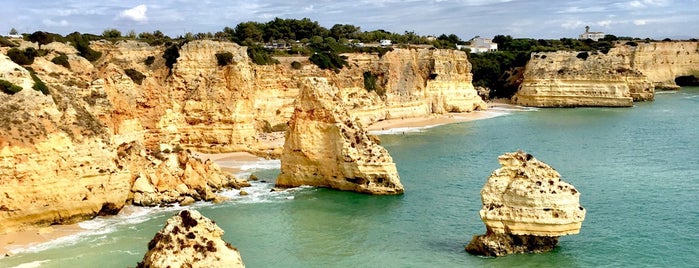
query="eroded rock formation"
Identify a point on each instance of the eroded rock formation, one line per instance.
(190, 240)
(564, 79)
(526, 207)
(571, 79)
(325, 147)
(76, 139)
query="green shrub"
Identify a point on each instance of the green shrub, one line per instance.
(261, 56)
(296, 65)
(632, 44)
(329, 60)
(8, 87)
(149, 60)
(38, 84)
(370, 81)
(6, 43)
(62, 60)
(224, 58)
(82, 44)
(136, 76)
(22, 57)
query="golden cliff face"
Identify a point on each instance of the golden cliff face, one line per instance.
(56, 159)
(72, 139)
(662, 62)
(324, 147)
(562, 79)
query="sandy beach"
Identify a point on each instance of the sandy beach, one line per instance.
(234, 163)
(35, 236)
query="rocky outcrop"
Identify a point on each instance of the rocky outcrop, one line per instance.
(627, 71)
(103, 137)
(573, 79)
(172, 175)
(190, 240)
(70, 155)
(662, 62)
(526, 207)
(325, 147)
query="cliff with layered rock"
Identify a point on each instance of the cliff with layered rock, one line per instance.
(189, 239)
(526, 207)
(626, 73)
(325, 147)
(117, 130)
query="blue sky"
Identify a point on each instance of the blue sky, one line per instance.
(466, 18)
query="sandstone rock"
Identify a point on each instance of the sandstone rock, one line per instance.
(75, 139)
(243, 193)
(190, 240)
(561, 79)
(324, 147)
(526, 207)
(564, 79)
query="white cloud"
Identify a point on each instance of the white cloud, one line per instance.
(573, 24)
(604, 23)
(636, 4)
(639, 22)
(52, 23)
(137, 14)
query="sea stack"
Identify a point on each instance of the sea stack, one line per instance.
(526, 207)
(190, 240)
(326, 148)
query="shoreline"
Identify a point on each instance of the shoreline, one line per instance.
(236, 163)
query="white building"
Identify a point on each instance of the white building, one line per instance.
(595, 36)
(480, 45)
(385, 42)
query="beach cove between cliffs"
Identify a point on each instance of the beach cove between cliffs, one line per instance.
(637, 168)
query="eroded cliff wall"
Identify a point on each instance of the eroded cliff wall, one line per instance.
(625, 73)
(105, 138)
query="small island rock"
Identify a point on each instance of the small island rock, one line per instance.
(526, 207)
(190, 240)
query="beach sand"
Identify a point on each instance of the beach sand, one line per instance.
(34, 236)
(233, 162)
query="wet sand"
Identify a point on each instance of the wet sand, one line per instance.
(34, 236)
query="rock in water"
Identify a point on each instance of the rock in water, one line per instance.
(190, 240)
(326, 148)
(526, 207)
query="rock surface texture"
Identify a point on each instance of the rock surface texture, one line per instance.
(626, 73)
(106, 138)
(526, 207)
(324, 147)
(190, 240)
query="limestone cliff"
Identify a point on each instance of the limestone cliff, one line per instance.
(564, 79)
(324, 147)
(63, 157)
(106, 137)
(569, 79)
(662, 62)
(526, 207)
(189, 239)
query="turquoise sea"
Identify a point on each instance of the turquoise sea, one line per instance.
(637, 170)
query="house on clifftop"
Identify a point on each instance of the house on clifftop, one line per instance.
(480, 45)
(595, 36)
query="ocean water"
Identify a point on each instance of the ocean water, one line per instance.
(637, 170)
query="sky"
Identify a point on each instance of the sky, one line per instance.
(548, 19)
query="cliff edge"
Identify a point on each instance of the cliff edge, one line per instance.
(325, 147)
(526, 207)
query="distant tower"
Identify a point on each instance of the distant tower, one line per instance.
(587, 29)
